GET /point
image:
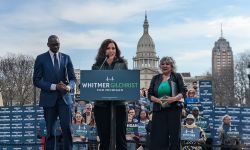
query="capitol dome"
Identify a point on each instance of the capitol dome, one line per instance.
(146, 53)
(146, 43)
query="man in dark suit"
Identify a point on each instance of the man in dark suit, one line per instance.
(54, 75)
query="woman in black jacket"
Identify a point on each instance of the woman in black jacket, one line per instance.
(165, 91)
(108, 58)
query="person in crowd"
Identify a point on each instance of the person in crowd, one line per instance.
(165, 91)
(92, 136)
(80, 132)
(227, 140)
(79, 106)
(199, 120)
(87, 113)
(109, 58)
(144, 117)
(131, 112)
(143, 92)
(191, 93)
(190, 124)
(54, 75)
(131, 145)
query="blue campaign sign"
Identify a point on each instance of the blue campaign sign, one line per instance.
(190, 134)
(220, 110)
(110, 85)
(191, 105)
(29, 109)
(29, 125)
(245, 111)
(142, 129)
(132, 128)
(27, 117)
(5, 118)
(188, 100)
(16, 126)
(235, 119)
(17, 109)
(245, 128)
(17, 117)
(5, 126)
(234, 111)
(245, 120)
(5, 110)
(218, 118)
(17, 136)
(205, 84)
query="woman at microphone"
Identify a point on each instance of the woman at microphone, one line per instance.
(109, 58)
(165, 91)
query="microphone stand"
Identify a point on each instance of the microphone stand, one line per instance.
(103, 62)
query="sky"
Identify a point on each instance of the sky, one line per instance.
(185, 30)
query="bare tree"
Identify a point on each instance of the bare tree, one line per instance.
(223, 87)
(241, 79)
(16, 79)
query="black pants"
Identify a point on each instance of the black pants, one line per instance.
(50, 114)
(103, 117)
(165, 131)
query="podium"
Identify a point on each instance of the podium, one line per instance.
(110, 85)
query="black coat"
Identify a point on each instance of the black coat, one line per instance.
(179, 88)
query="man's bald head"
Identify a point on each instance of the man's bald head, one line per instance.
(53, 43)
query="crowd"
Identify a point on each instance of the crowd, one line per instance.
(139, 118)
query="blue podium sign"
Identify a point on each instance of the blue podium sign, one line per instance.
(110, 85)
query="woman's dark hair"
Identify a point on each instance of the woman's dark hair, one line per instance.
(101, 55)
(147, 114)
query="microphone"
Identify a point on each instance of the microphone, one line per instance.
(107, 56)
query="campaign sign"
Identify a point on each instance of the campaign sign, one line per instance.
(220, 110)
(245, 111)
(29, 136)
(16, 126)
(5, 110)
(245, 128)
(17, 118)
(5, 136)
(132, 128)
(5, 118)
(142, 129)
(5, 147)
(191, 105)
(107, 85)
(233, 111)
(190, 134)
(28, 117)
(5, 126)
(203, 123)
(29, 109)
(17, 136)
(188, 100)
(29, 148)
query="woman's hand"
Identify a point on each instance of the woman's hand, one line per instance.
(171, 100)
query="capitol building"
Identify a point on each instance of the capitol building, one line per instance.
(146, 60)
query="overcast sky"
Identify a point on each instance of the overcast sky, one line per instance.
(185, 30)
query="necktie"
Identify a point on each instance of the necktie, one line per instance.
(56, 66)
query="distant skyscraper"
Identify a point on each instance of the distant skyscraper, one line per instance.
(146, 60)
(223, 72)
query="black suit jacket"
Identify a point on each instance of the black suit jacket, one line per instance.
(155, 83)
